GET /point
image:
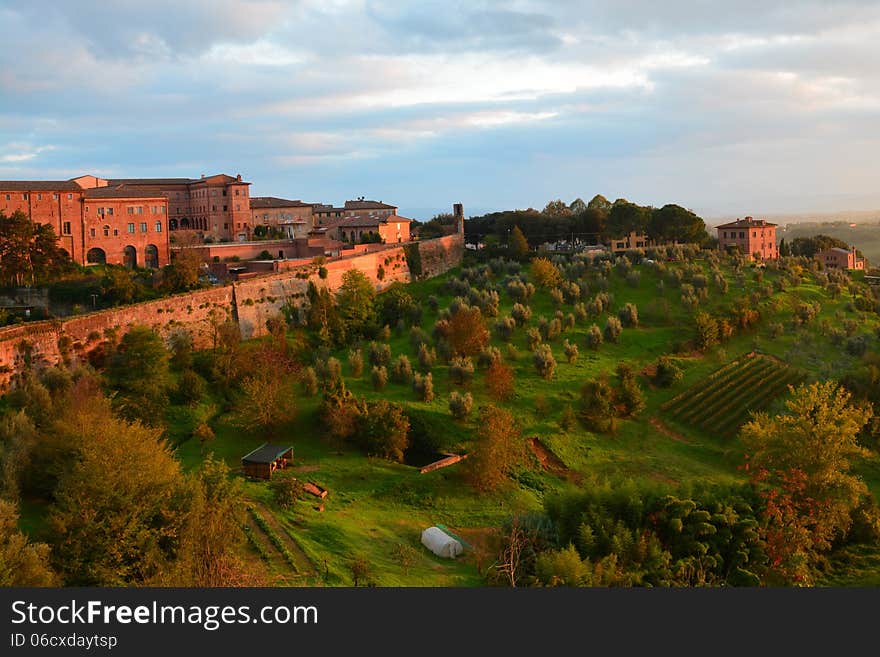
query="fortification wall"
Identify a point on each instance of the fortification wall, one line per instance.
(251, 301)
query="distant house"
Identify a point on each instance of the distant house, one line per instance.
(292, 218)
(837, 258)
(388, 229)
(632, 241)
(753, 238)
(265, 459)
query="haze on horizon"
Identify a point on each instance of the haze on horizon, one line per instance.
(726, 108)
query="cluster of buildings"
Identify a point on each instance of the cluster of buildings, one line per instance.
(757, 238)
(131, 221)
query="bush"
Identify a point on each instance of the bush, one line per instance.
(613, 329)
(309, 382)
(286, 490)
(424, 387)
(499, 381)
(857, 345)
(356, 363)
(488, 356)
(380, 354)
(569, 321)
(568, 419)
(190, 388)
(594, 337)
(379, 377)
(580, 312)
(668, 372)
(533, 338)
(427, 357)
(553, 329)
(433, 303)
(461, 370)
(417, 337)
(460, 405)
(556, 296)
(544, 361)
(571, 351)
(776, 330)
(629, 315)
(384, 333)
(329, 373)
(521, 314)
(401, 370)
(504, 328)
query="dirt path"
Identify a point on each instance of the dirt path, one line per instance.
(666, 431)
(277, 566)
(552, 463)
(304, 565)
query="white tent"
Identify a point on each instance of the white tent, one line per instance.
(441, 543)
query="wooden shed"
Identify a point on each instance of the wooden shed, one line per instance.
(265, 459)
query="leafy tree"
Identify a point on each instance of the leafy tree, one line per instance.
(382, 429)
(22, 563)
(183, 272)
(544, 361)
(557, 208)
(563, 567)
(625, 217)
(498, 449)
(668, 372)
(460, 405)
(355, 301)
(673, 223)
(499, 381)
(707, 330)
(613, 329)
(545, 273)
(805, 455)
(467, 333)
(518, 245)
(29, 252)
(266, 403)
(138, 371)
(629, 393)
(286, 490)
(323, 316)
(597, 405)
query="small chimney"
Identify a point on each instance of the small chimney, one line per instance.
(238, 177)
(203, 176)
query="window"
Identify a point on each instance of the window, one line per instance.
(131, 227)
(100, 211)
(130, 209)
(164, 209)
(65, 228)
(109, 210)
(54, 197)
(237, 207)
(213, 208)
(754, 233)
(158, 226)
(140, 209)
(39, 197)
(106, 231)
(225, 208)
(725, 234)
(91, 232)
(237, 192)
(224, 192)
(115, 232)
(152, 209)
(70, 197)
(9, 197)
(225, 226)
(742, 234)
(24, 197)
(143, 226)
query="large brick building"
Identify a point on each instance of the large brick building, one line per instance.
(291, 218)
(326, 214)
(837, 258)
(753, 237)
(118, 224)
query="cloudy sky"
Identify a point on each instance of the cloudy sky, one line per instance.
(729, 108)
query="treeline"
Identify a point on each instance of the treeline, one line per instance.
(599, 219)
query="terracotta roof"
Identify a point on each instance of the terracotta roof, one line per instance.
(837, 249)
(748, 222)
(39, 186)
(258, 202)
(122, 191)
(151, 181)
(368, 205)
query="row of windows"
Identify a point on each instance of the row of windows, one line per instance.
(93, 232)
(26, 196)
(742, 234)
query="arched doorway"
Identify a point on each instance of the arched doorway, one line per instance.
(184, 224)
(130, 257)
(151, 256)
(172, 224)
(96, 256)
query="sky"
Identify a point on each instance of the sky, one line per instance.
(727, 108)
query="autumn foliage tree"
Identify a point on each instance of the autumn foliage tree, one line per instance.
(467, 333)
(499, 381)
(803, 460)
(498, 450)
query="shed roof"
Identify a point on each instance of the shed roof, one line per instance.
(266, 453)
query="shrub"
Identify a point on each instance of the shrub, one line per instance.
(433, 303)
(424, 387)
(427, 357)
(190, 387)
(633, 278)
(286, 491)
(776, 330)
(329, 372)
(707, 330)
(384, 333)
(668, 372)
(630, 394)
(401, 370)
(460, 405)
(580, 312)
(568, 419)
(569, 321)
(542, 406)
(309, 381)
(533, 338)
(571, 351)
(556, 296)
(380, 354)
(356, 363)
(857, 345)
(594, 337)
(521, 314)
(613, 329)
(379, 377)
(629, 315)
(461, 370)
(510, 352)
(597, 405)
(553, 329)
(545, 273)
(322, 272)
(544, 361)
(505, 327)
(488, 356)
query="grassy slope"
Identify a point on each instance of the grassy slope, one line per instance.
(375, 506)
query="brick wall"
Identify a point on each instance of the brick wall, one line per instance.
(251, 301)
